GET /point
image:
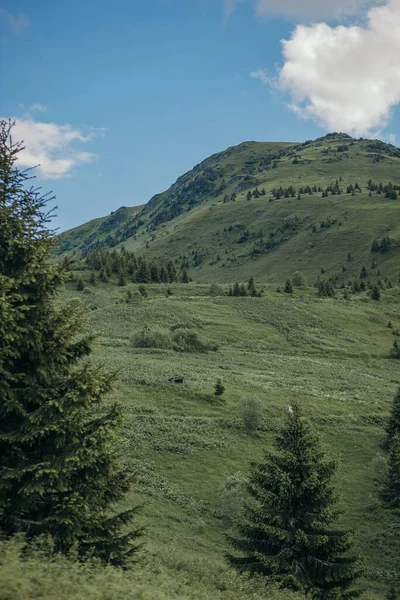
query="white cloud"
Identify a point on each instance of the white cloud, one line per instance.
(263, 76)
(229, 7)
(38, 107)
(52, 147)
(17, 22)
(345, 78)
(313, 10)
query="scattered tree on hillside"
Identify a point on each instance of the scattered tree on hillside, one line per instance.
(375, 294)
(287, 533)
(288, 289)
(60, 470)
(393, 426)
(395, 351)
(391, 490)
(251, 287)
(219, 388)
(299, 280)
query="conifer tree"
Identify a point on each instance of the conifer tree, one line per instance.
(391, 491)
(185, 276)
(251, 287)
(219, 388)
(393, 426)
(60, 471)
(395, 351)
(287, 533)
(288, 287)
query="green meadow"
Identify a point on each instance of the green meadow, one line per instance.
(185, 447)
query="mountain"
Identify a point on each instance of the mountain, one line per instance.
(267, 210)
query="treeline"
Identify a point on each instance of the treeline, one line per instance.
(126, 265)
(244, 290)
(390, 190)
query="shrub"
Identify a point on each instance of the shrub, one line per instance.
(187, 340)
(216, 290)
(232, 497)
(151, 338)
(252, 414)
(299, 280)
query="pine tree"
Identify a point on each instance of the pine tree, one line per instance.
(60, 472)
(391, 490)
(375, 294)
(288, 287)
(393, 426)
(287, 532)
(395, 351)
(219, 388)
(251, 287)
(185, 276)
(80, 286)
(92, 278)
(236, 289)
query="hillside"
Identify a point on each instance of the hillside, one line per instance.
(311, 205)
(190, 454)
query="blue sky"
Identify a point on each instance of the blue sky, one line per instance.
(117, 99)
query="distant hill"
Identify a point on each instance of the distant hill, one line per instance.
(267, 210)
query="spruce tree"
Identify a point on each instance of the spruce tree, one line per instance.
(393, 426)
(287, 534)
(391, 491)
(251, 287)
(395, 350)
(288, 287)
(60, 471)
(219, 388)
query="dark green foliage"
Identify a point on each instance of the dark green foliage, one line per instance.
(60, 471)
(80, 286)
(393, 426)
(92, 279)
(219, 388)
(375, 294)
(395, 351)
(392, 594)
(391, 491)
(288, 289)
(287, 534)
(325, 287)
(363, 273)
(185, 276)
(299, 280)
(251, 288)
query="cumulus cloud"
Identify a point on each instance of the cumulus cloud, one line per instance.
(17, 22)
(345, 78)
(51, 146)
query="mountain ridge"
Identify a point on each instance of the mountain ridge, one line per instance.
(306, 186)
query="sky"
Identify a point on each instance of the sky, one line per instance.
(115, 100)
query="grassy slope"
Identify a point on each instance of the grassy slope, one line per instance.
(202, 230)
(330, 354)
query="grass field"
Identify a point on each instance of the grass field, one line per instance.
(331, 354)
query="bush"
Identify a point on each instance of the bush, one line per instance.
(187, 340)
(151, 338)
(299, 280)
(232, 497)
(216, 290)
(252, 414)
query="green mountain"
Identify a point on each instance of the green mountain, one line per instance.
(267, 210)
